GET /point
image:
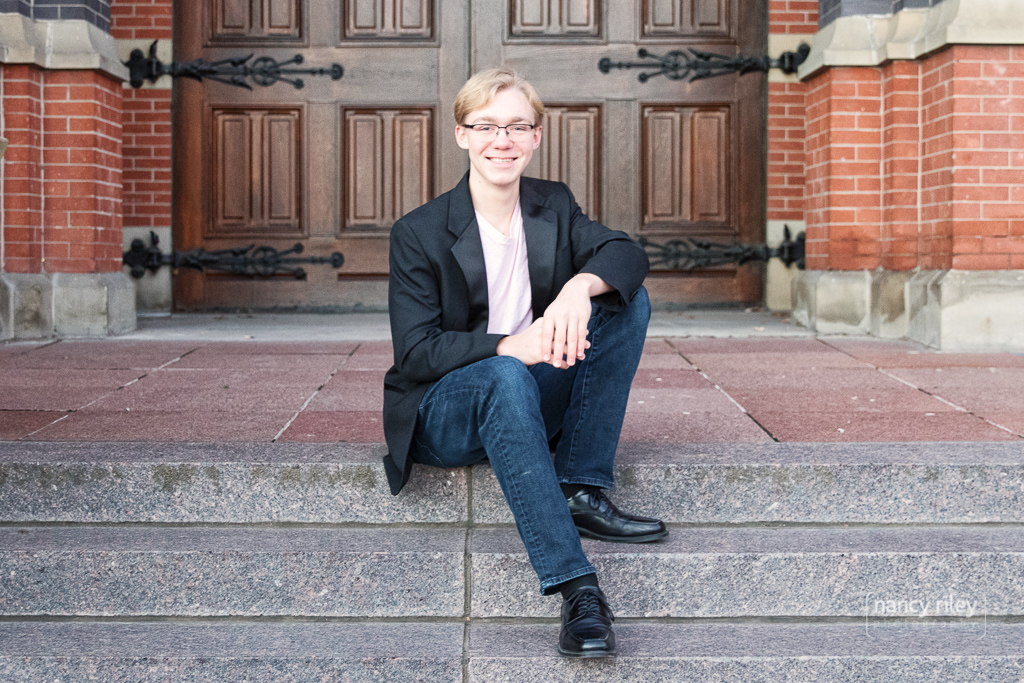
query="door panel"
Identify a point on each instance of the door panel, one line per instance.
(334, 164)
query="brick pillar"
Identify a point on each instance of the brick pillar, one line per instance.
(61, 220)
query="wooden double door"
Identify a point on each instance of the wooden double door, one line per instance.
(332, 165)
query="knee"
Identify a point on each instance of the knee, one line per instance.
(508, 377)
(640, 306)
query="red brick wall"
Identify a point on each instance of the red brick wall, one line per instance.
(901, 164)
(21, 192)
(147, 121)
(844, 169)
(62, 171)
(793, 16)
(786, 117)
(936, 180)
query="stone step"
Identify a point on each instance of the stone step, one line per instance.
(757, 653)
(775, 572)
(213, 653)
(252, 572)
(884, 483)
(802, 572)
(218, 483)
(507, 653)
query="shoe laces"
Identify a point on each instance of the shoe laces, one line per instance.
(599, 501)
(586, 602)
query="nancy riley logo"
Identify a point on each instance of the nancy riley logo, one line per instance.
(945, 608)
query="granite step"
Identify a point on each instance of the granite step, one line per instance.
(231, 571)
(796, 572)
(196, 652)
(507, 653)
(807, 573)
(876, 483)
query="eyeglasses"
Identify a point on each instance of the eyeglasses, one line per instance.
(517, 132)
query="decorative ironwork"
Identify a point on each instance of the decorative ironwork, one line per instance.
(688, 254)
(694, 65)
(263, 71)
(251, 260)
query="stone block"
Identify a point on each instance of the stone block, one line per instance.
(889, 318)
(219, 483)
(161, 652)
(923, 307)
(755, 653)
(779, 278)
(884, 483)
(26, 306)
(804, 292)
(808, 573)
(231, 571)
(982, 311)
(92, 304)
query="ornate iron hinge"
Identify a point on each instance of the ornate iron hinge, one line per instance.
(689, 254)
(251, 260)
(264, 71)
(695, 65)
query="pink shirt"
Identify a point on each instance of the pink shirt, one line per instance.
(509, 299)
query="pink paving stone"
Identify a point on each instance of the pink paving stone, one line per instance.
(754, 346)
(369, 362)
(375, 348)
(663, 361)
(343, 348)
(658, 346)
(774, 361)
(164, 425)
(58, 390)
(1012, 420)
(894, 426)
(102, 354)
(332, 427)
(352, 397)
(15, 424)
(648, 400)
(943, 360)
(362, 378)
(201, 390)
(671, 379)
(693, 428)
(803, 378)
(839, 399)
(976, 389)
(325, 363)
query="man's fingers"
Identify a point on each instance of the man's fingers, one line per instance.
(547, 332)
(559, 346)
(571, 340)
(582, 344)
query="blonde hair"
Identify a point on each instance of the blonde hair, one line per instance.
(483, 86)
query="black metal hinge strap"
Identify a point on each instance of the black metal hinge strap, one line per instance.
(690, 254)
(694, 65)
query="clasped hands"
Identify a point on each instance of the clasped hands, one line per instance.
(559, 337)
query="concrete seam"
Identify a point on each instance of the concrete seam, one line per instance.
(726, 394)
(304, 405)
(45, 426)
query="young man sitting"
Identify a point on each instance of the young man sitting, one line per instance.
(518, 324)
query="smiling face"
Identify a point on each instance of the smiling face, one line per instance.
(498, 162)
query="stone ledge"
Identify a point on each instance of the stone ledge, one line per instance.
(70, 44)
(954, 310)
(870, 40)
(39, 306)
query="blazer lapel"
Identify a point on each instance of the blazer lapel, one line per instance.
(469, 251)
(540, 224)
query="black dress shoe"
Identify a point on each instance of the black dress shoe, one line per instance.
(586, 624)
(597, 517)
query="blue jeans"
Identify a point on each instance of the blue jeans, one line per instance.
(500, 409)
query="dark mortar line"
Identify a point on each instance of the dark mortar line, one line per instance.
(467, 578)
(304, 406)
(727, 395)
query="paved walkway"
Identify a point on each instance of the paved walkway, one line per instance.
(706, 377)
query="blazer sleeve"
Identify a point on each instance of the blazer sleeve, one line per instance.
(424, 351)
(612, 255)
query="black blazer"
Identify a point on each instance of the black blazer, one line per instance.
(437, 291)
